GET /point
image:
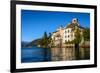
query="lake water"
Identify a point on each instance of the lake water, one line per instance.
(35, 54)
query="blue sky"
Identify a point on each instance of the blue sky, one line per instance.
(35, 23)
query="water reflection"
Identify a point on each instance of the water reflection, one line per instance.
(36, 54)
(61, 54)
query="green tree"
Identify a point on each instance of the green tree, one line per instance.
(49, 40)
(77, 41)
(45, 40)
(69, 42)
(52, 43)
(86, 34)
(78, 36)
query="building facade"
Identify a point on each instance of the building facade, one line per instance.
(67, 33)
(63, 35)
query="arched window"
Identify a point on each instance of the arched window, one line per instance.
(68, 36)
(68, 31)
(65, 31)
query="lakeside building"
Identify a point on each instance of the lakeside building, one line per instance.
(67, 34)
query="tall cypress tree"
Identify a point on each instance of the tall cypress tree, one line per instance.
(77, 41)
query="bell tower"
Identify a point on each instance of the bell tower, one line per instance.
(75, 21)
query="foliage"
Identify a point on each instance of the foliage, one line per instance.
(52, 43)
(69, 42)
(46, 40)
(78, 36)
(86, 34)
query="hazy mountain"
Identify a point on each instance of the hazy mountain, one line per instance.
(30, 44)
(24, 44)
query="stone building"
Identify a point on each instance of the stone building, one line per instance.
(62, 35)
(67, 33)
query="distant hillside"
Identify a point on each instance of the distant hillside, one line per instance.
(24, 44)
(32, 43)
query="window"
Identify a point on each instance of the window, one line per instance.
(68, 31)
(71, 35)
(65, 31)
(68, 36)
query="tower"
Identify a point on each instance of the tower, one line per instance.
(75, 21)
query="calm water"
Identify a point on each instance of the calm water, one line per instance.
(35, 54)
